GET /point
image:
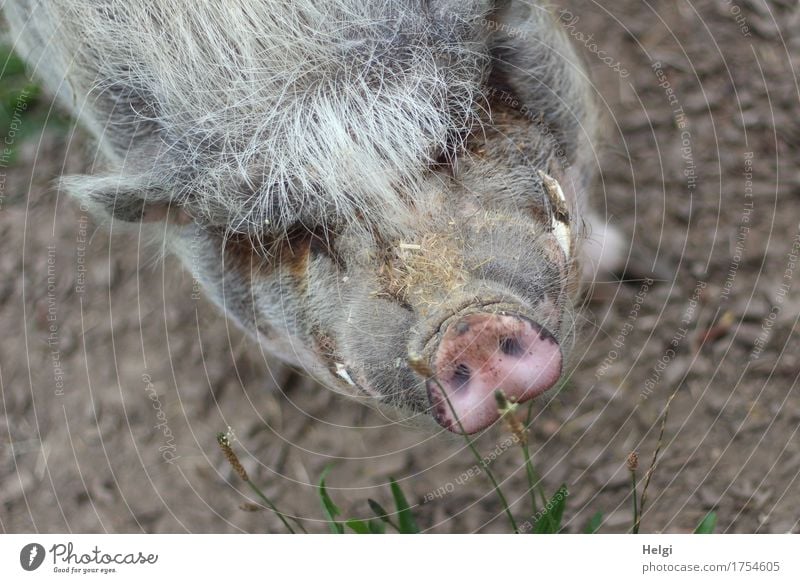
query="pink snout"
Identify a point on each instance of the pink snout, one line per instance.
(483, 352)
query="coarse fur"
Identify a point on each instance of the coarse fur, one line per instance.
(263, 114)
(343, 177)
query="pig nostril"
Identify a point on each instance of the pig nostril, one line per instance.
(461, 375)
(510, 346)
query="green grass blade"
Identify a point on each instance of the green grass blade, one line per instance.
(408, 524)
(708, 524)
(331, 510)
(358, 526)
(10, 64)
(379, 510)
(594, 524)
(382, 514)
(550, 521)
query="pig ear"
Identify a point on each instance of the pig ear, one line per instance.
(124, 199)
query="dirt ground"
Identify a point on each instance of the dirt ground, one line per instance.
(108, 368)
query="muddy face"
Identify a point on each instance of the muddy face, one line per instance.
(481, 294)
(483, 299)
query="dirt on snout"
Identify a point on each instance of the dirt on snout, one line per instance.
(116, 376)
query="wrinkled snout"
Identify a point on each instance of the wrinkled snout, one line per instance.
(483, 352)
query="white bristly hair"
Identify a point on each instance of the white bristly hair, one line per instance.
(268, 112)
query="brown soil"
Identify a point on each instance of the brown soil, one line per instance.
(88, 456)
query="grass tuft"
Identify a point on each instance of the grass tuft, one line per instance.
(224, 442)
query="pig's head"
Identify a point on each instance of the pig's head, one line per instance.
(478, 295)
(366, 198)
(478, 284)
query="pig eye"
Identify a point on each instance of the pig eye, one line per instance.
(516, 278)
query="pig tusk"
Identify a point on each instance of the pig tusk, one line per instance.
(559, 217)
(341, 370)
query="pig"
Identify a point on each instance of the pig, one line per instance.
(359, 185)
